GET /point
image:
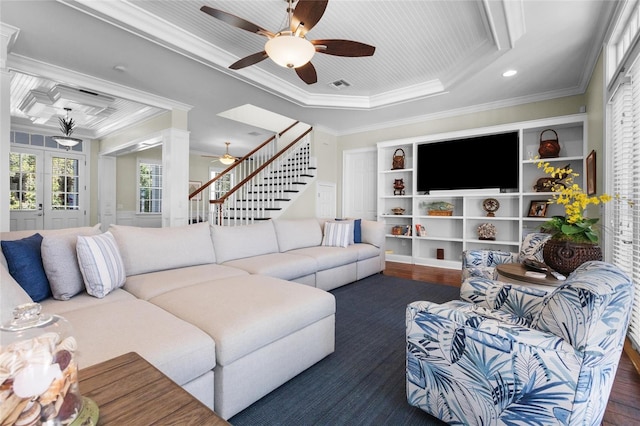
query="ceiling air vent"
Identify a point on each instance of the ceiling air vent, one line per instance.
(339, 84)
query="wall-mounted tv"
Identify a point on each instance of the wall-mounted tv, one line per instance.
(480, 162)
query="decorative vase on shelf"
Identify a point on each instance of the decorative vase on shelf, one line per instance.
(565, 256)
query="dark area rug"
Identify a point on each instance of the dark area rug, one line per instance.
(363, 381)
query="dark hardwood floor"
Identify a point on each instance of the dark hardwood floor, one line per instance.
(624, 402)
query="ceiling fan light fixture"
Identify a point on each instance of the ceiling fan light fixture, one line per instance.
(289, 51)
(227, 158)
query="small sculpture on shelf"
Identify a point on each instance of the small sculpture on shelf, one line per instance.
(486, 231)
(398, 187)
(490, 205)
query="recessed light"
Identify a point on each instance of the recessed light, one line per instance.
(509, 73)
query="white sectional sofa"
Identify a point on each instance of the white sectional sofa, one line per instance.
(229, 313)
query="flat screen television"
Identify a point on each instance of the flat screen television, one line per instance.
(480, 162)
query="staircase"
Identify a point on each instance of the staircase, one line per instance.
(270, 178)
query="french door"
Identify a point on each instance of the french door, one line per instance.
(47, 189)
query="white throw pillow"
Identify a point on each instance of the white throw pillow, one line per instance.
(336, 234)
(100, 263)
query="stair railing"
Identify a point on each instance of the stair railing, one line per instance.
(260, 186)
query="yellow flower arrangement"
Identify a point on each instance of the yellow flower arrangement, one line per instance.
(573, 226)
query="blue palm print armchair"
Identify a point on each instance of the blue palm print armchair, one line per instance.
(509, 354)
(482, 263)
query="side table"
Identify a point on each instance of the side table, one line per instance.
(516, 273)
(130, 391)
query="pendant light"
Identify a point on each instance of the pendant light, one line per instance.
(67, 126)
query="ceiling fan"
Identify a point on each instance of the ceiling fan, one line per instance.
(225, 159)
(289, 47)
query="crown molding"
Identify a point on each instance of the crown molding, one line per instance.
(474, 109)
(58, 74)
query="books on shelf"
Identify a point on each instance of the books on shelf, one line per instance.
(420, 231)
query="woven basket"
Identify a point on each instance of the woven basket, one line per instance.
(440, 212)
(566, 256)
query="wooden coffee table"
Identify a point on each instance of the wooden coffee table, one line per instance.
(130, 391)
(516, 272)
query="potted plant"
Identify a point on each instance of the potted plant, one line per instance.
(574, 239)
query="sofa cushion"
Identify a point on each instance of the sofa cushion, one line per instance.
(373, 233)
(108, 329)
(239, 242)
(100, 263)
(243, 314)
(11, 295)
(155, 249)
(337, 234)
(84, 300)
(297, 233)
(146, 286)
(25, 265)
(286, 266)
(61, 262)
(329, 257)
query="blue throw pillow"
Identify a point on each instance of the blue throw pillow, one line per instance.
(357, 231)
(25, 266)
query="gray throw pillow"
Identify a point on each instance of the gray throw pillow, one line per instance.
(61, 262)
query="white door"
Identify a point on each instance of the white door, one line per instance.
(26, 172)
(359, 183)
(326, 203)
(64, 190)
(47, 189)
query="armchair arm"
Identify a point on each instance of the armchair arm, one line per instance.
(482, 263)
(465, 368)
(519, 300)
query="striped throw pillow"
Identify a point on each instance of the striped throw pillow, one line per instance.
(100, 263)
(336, 234)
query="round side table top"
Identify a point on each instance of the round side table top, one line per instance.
(517, 271)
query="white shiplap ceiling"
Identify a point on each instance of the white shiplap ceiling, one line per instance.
(432, 57)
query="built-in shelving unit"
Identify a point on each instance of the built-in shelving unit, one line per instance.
(448, 236)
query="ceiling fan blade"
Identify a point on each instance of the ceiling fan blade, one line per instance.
(343, 48)
(249, 60)
(308, 13)
(236, 21)
(307, 73)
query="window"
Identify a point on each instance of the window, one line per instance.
(149, 186)
(221, 186)
(23, 181)
(622, 146)
(64, 184)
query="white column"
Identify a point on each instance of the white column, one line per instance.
(107, 208)
(175, 177)
(8, 35)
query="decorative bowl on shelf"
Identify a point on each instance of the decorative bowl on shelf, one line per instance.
(397, 210)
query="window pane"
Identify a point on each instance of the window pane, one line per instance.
(64, 183)
(22, 181)
(150, 188)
